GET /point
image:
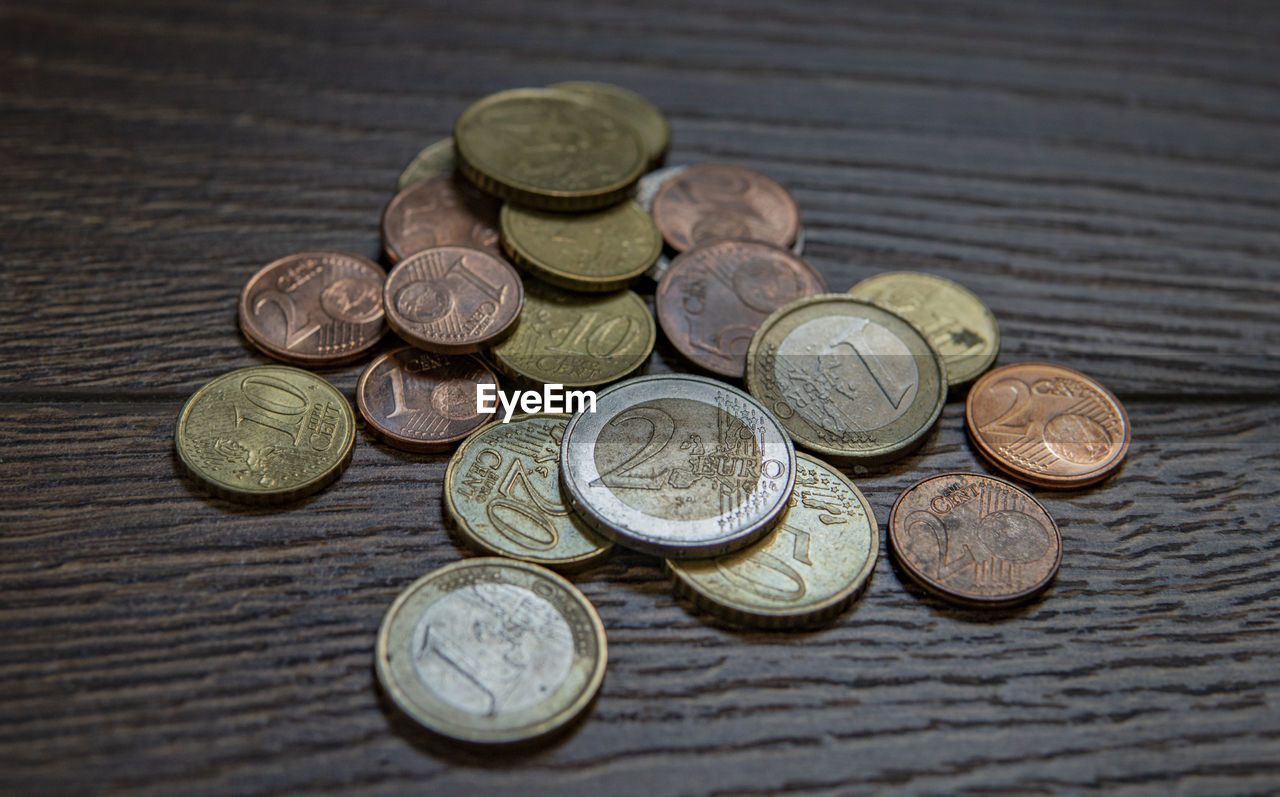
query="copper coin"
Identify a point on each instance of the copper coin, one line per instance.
(974, 540)
(1046, 424)
(314, 308)
(714, 298)
(420, 401)
(443, 210)
(452, 299)
(719, 201)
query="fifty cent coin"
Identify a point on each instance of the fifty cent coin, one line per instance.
(491, 651)
(643, 115)
(678, 466)
(600, 251)
(974, 540)
(420, 401)
(439, 211)
(434, 159)
(314, 308)
(1047, 424)
(714, 297)
(718, 201)
(266, 434)
(452, 299)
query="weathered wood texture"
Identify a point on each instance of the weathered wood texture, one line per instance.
(1106, 177)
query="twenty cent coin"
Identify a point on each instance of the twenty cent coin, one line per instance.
(434, 159)
(266, 434)
(600, 251)
(679, 466)
(502, 495)
(718, 201)
(807, 570)
(1047, 424)
(643, 115)
(491, 651)
(974, 540)
(314, 308)
(954, 320)
(452, 299)
(849, 380)
(714, 297)
(419, 401)
(443, 210)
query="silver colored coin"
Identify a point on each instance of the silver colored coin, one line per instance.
(491, 651)
(679, 466)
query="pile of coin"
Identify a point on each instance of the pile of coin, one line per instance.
(514, 246)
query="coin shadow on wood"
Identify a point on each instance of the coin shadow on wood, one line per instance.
(985, 614)
(202, 494)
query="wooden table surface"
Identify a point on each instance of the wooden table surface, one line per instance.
(1105, 176)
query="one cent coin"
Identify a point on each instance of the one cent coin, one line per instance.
(954, 320)
(1046, 424)
(600, 251)
(974, 540)
(491, 651)
(806, 571)
(314, 308)
(718, 201)
(714, 297)
(421, 401)
(434, 159)
(678, 466)
(643, 115)
(443, 210)
(452, 299)
(849, 380)
(502, 495)
(266, 434)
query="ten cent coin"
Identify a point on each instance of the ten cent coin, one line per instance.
(974, 540)
(717, 201)
(434, 159)
(1047, 424)
(491, 651)
(643, 115)
(420, 401)
(266, 434)
(439, 211)
(600, 251)
(679, 466)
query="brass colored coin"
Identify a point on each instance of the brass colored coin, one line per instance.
(952, 318)
(435, 159)
(444, 210)
(806, 571)
(452, 299)
(314, 309)
(974, 540)
(502, 495)
(575, 339)
(849, 380)
(548, 149)
(719, 201)
(678, 466)
(491, 651)
(600, 251)
(643, 115)
(267, 434)
(1047, 424)
(418, 401)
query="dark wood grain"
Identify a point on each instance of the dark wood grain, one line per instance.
(1106, 177)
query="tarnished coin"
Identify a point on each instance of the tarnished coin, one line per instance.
(600, 251)
(647, 186)
(575, 339)
(713, 298)
(452, 299)
(491, 651)
(435, 159)
(806, 571)
(974, 540)
(678, 466)
(444, 210)
(719, 201)
(267, 434)
(643, 115)
(954, 320)
(548, 149)
(314, 308)
(420, 401)
(848, 380)
(502, 495)
(1046, 424)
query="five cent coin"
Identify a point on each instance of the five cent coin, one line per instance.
(678, 466)
(439, 211)
(600, 251)
(419, 401)
(719, 201)
(974, 540)
(1046, 424)
(491, 651)
(452, 299)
